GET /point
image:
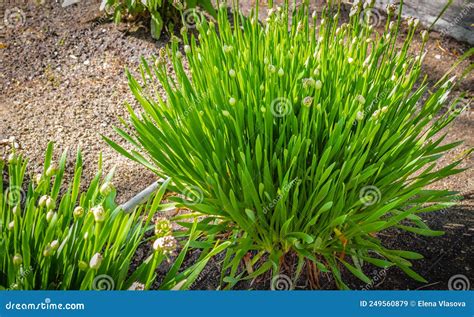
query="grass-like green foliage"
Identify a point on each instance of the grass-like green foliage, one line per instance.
(54, 236)
(305, 137)
(163, 13)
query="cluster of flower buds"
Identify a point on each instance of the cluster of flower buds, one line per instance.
(163, 227)
(167, 245)
(47, 201)
(78, 212)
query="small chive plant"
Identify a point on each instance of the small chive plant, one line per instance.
(53, 236)
(307, 138)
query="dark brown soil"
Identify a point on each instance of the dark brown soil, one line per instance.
(62, 79)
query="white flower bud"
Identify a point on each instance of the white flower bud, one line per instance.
(54, 244)
(271, 68)
(17, 259)
(78, 212)
(96, 261)
(318, 85)
(360, 99)
(50, 204)
(424, 36)
(225, 113)
(281, 72)
(51, 170)
(42, 201)
(38, 178)
(350, 60)
(11, 225)
(12, 158)
(359, 115)
(187, 49)
(384, 109)
(232, 73)
(307, 101)
(99, 213)
(106, 188)
(49, 216)
(165, 244)
(232, 101)
(47, 250)
(16, 211)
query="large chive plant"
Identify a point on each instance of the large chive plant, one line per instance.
(54, 236)
(304, 138)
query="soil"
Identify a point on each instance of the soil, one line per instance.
(63, 79)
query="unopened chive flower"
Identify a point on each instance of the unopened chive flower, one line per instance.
(318, 85)
(384, 109)
(52, 169)
(16, 211)
(187, 49)
(228, 48)
(359, 115)
(281, 72)
(99, 213)
(376, 114)
(42, 201)
(50, 204)
(391, 9)
(424, 35)
(232, 73)
(350, 60)
(78, 212)
(54, 244)
(12, 158)
(82, 265)
(232, 101)
(17, 259)
(38, 178)
(47, 250)
(316, 72)
(106, 188)
(308, 82)
(391, 26)
(263, 109)
(410, 22)
(271, 68)
(307, 101)
(163, 227)
(225, 113)
(262, 87)
(86, 235)
(96, 261)
(179, 55)
(166, 244)
(49, 216)
(416, 22)
(11, 225)
(265, 61)
(360, 99)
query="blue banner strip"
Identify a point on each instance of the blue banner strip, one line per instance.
(237, 303)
